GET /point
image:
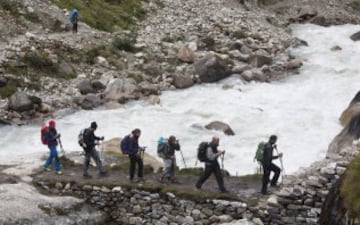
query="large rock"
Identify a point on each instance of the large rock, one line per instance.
(211, 69)
(352, 110)
(21, 102)
(183, 80)
(90, 101)
(356, 36)
(258, 60)
(85, 87)
(148, 88)
(217, 125)
(3, 81)
(121, 90)
(185, 54)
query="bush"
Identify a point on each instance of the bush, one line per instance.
(126, 43)
(32, 17)
(350, 189)
(9, 89)
(239, 34)
(209, 42)
(173, 38)
(9, 6)
(40, 61)
(355, 5)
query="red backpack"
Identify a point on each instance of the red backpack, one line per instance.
(44, 129)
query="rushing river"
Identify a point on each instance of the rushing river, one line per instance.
(303, 110)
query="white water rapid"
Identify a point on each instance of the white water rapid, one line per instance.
(303, 110)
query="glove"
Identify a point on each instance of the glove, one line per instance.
(102, 138)
(57, 136)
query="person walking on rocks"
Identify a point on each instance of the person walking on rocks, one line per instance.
(130, 146)
(268, 166)
(89, 142)
(51, 137)
(167, 152)
(73, 17)
(212, 165)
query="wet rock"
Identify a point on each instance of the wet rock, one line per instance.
(183, 80)
(185, 54)
(98, 85)
(148, 88)
(20, 102)
(352, 110)
(355, 36)
(90, 101)
(336, 48)
(217, 125)
(211, 69)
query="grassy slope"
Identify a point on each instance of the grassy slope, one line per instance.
(107, 15)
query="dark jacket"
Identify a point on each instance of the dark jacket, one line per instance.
(268, 154)
(90, 138)
(170, 149)
(133, 145)
(51, 136)
(211, 154)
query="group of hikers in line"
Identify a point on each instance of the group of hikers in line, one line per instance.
(208, 153)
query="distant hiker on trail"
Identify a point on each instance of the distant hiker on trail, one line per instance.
(49, 137)
(73, 17)
(130, 146)
(268, 166)
(166, 150)
(212, 164)
(89, 142)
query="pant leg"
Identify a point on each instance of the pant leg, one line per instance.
(172, 167)
(140, 166)
(167, 170)
(49, 159)
(208, 171)
(95, 156)
(86, 161)
(219, 177)
(276, 171)
(265, 179)
(54, 153)
(132, 166)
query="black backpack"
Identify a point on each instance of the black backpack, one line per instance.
(202, 151)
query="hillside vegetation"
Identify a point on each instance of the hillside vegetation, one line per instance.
(107, 15)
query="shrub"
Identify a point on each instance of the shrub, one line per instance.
(239, 34)
(209, 42)
(9, 6)
(125, 43)
(32, 17)
(355, 5)
(40, 61)
(9, 89)
(173, 38)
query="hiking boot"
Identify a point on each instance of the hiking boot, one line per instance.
(88, 176)
(198, 187)
(46, 168)
(275, 185)
(102, 173)
(265, 193)
(59, 172)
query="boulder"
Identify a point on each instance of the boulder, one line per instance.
(98, 85)
(65, 68)
(356, 36)
(85, 87)
(121, 90)
(211, 68)
(20, 102)
(217, 125)
(148, 88)
(336, 48)
(185, 54)
(352, 110)
(258, 60)
(90, 101)
(183, 80)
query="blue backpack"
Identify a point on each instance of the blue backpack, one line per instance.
(74, 13)
(125, 145)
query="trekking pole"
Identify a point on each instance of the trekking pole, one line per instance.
(62, 151)
(102, 150)
(222, 163)
(196, 162)
(281, 164)
(182, 156)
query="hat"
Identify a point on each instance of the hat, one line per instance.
(93, 125)
(52, 123)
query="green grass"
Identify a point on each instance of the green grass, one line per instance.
(32, 17)
(355, 5)
(125, 43)
(10, 6)
(350, 189)
(209, 42)
(107, 15)
(9, 89)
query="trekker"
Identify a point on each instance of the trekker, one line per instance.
(90, 151)
(169, 158)
(51, 137)
(134, 152)
(73, 17)
(268, 166)
(212, 165)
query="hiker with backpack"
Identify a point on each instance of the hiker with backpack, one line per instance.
(88, 143)
(73, 17)
(49, 137)
(268, 166)
(130, 146)
(166, 151)
(209, 154)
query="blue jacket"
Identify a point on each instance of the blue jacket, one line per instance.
(133, 145)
